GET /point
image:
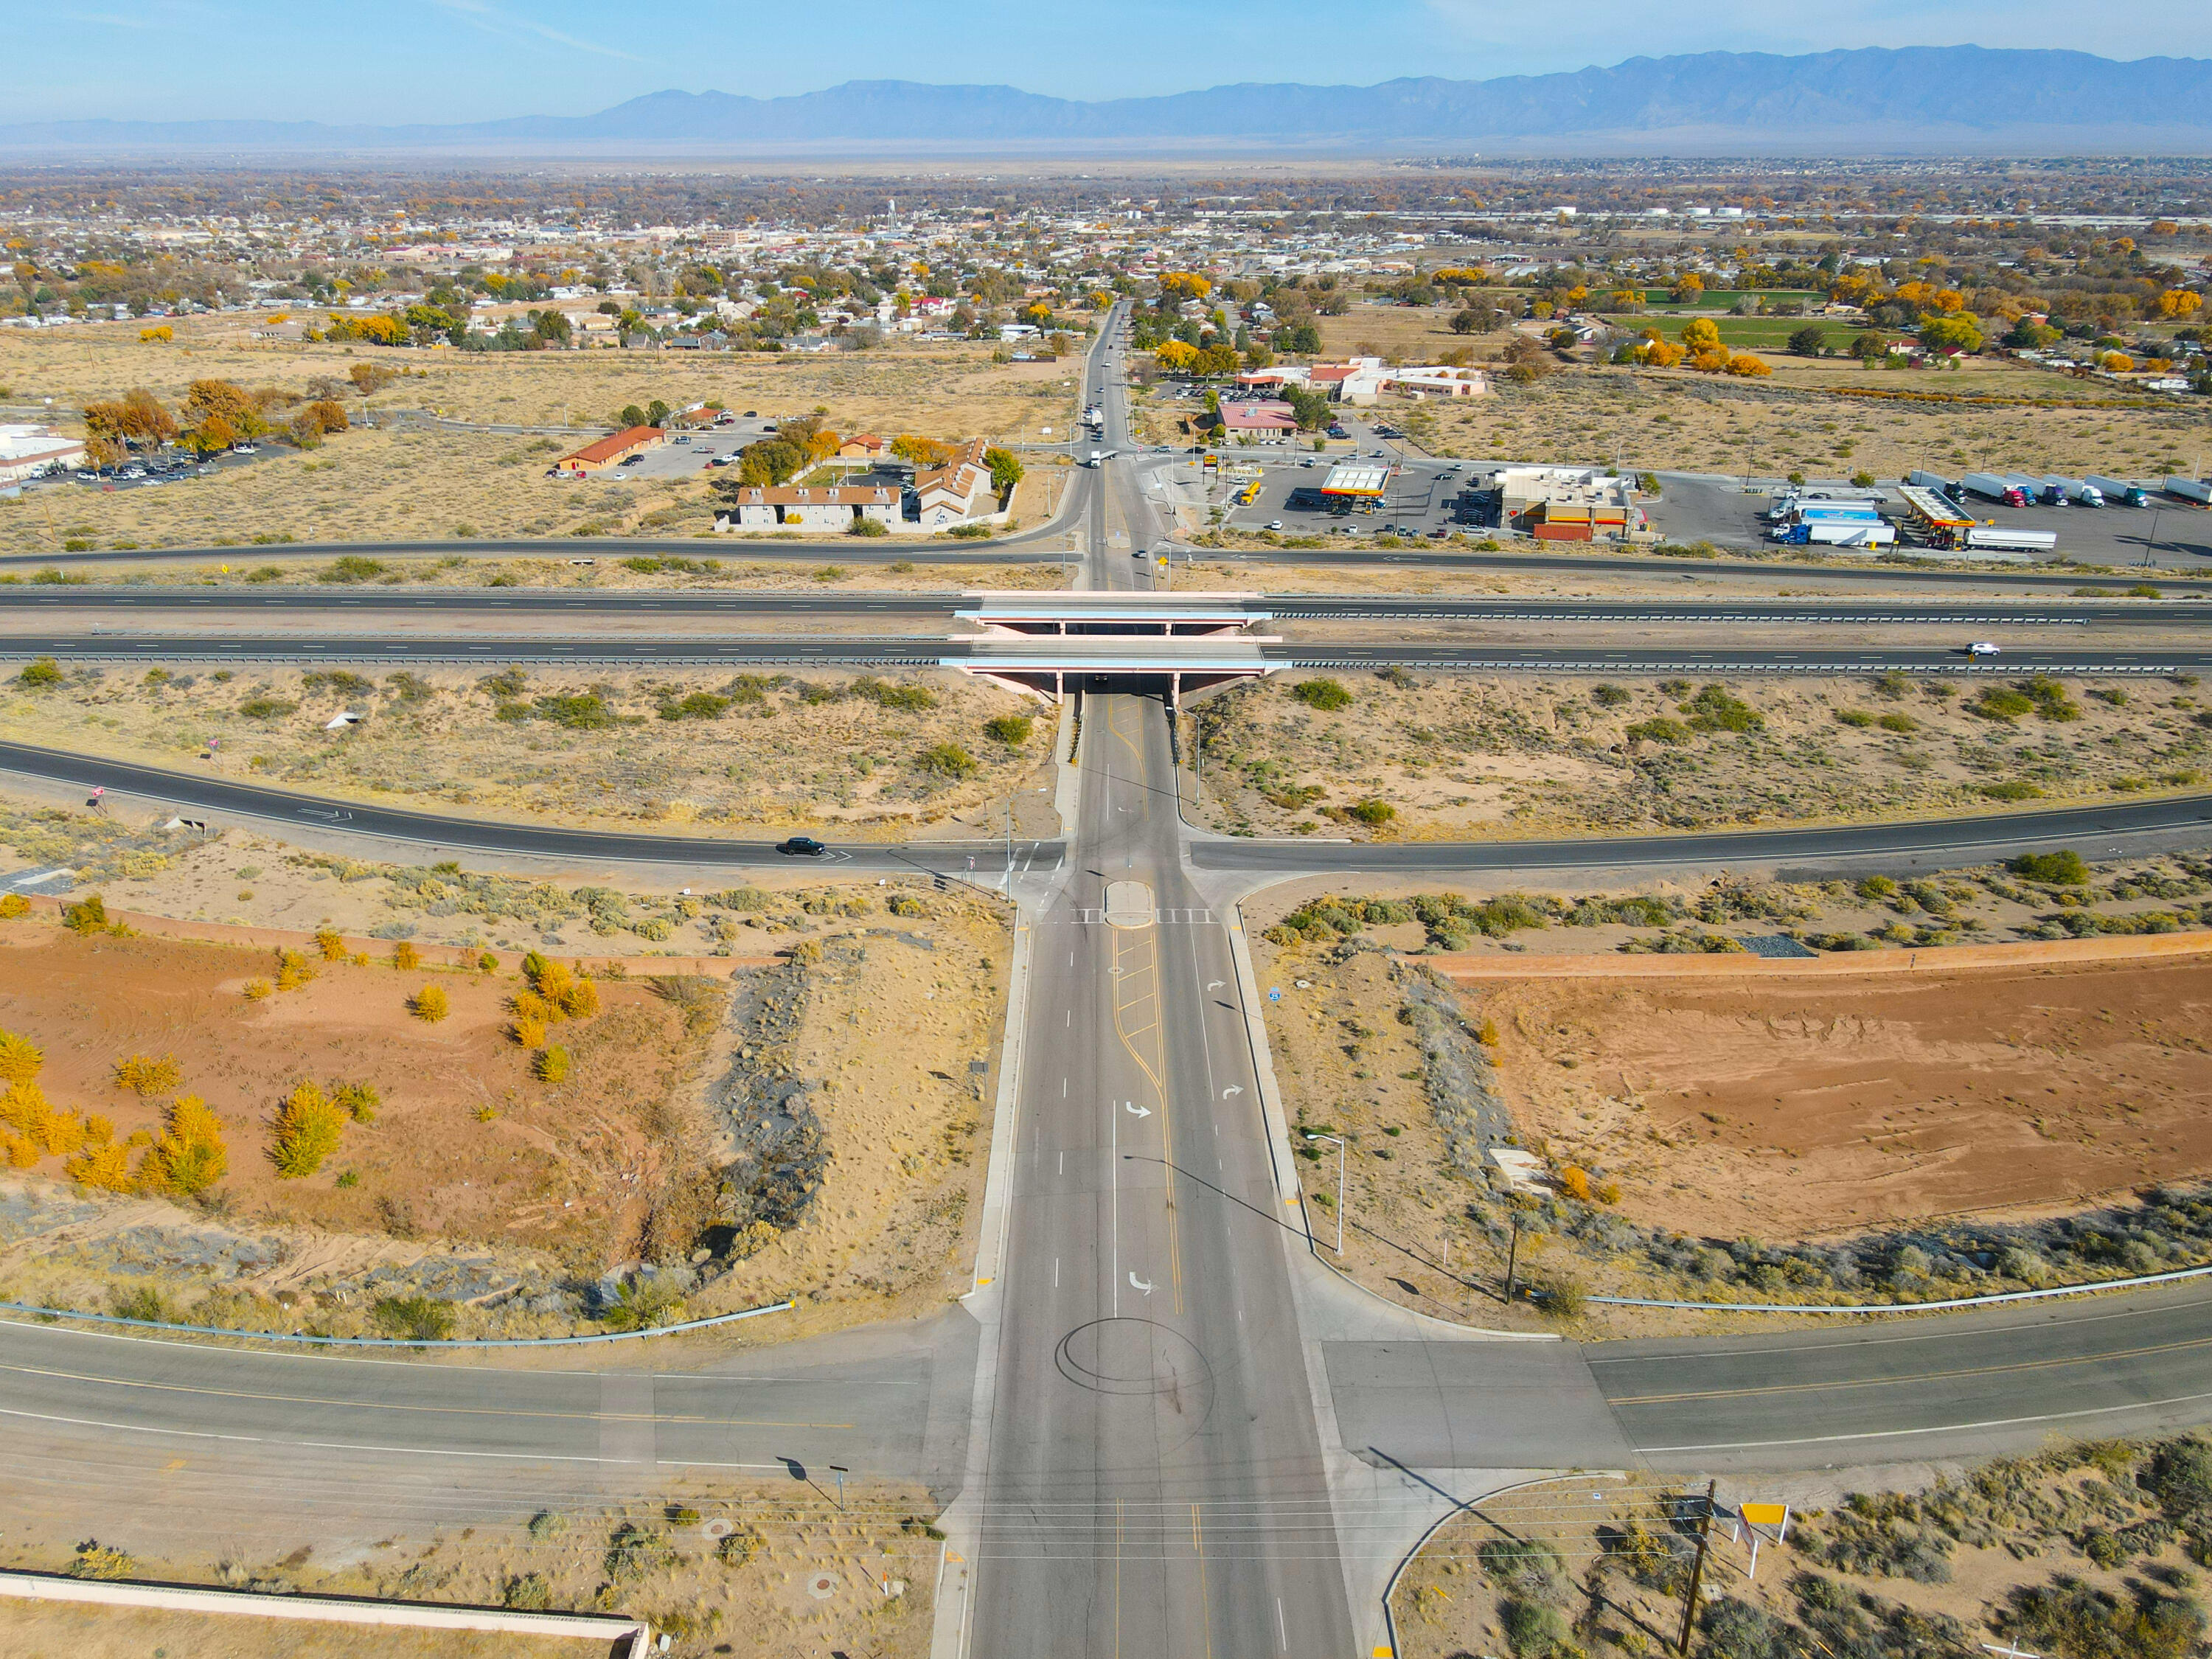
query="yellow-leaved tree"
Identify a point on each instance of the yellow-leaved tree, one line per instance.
(189, 1157)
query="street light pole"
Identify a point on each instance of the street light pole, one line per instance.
(1312, 1134)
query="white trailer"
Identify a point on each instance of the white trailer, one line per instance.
(1920, 480)
(2018, 541)
(2077, 492)
(2190, 490)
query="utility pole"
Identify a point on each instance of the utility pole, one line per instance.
(1697, 1568)
(1512, 1255)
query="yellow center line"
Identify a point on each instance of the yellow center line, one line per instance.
(1148, 941)
(1919, 1376)
(443, 1411)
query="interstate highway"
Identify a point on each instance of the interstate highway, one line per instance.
(412, 601)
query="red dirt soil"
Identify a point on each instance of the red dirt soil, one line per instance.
(427, 1162)
(1782, 1107)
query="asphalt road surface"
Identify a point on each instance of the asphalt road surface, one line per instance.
(1938, 842)
(921, 651)
(415, 601)
(199, 795)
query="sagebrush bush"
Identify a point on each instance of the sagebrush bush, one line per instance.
(144, 1075)
(305, 1130)
(552, 1065)
(429, 1004)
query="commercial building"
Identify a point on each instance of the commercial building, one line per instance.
(835, 507)
(1265, 418)
(1363, 481)
(28, 451)
(612, 450)
(1568, 503)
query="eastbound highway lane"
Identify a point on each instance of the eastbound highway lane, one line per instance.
(1938, 840)
(186, 791)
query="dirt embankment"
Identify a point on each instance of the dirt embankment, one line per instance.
(679, 749)
(742, 1152)
(1394, 754)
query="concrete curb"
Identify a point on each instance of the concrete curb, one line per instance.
(472, 1344)
(1947, 1305)
(627, 1637)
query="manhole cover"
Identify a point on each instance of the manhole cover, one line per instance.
(822, 1586)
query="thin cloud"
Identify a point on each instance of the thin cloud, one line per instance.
(493, 21)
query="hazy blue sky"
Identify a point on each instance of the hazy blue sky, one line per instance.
(454, 60)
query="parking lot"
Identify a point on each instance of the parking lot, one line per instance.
(1420, 499)
(2174, 535)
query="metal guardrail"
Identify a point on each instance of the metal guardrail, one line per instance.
(1563, 665)
(48, 1314)
(1948, 1303)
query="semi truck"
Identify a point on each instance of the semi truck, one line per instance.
(2075, 492)
(1989, 484)
(1834, 532)
(2118, 489)
(2039, 493)
(1832, 513)
(1995, 538)
(2190, 490)
(1935, 481)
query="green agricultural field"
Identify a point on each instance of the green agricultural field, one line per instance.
(1721, 298)
(1747, 333)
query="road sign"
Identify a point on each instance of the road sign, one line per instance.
(1763, 1521)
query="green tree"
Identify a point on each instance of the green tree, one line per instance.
(1005, 469)
(1950, 334)
(1807, 341)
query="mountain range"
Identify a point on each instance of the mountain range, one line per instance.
(1921, 99)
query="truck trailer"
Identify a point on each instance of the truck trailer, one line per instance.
(2075, 492)
(2038, 492)
(1935, 481)
(2118, 489)
(1989, 484)
(2190, 490)
(1992, 537)
(1834, 532)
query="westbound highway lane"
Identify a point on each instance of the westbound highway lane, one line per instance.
(921, 651)
(199, 794)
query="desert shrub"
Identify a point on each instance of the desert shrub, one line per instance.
(1560, 1295)
(332, 946)
(1876, 1535)
(578, 999)
(946, 760)
(430, 1004)
(417, 1318)
(40, 672)
(699, 706)
(13, 905)
(528, 1033)
(2012, 789)
(526, 1592)
(552, 1065)
(1737, 1630)
(304, 1131)
(1325, 694)
(405, 957)
(255, 989)
(645, 1304)
(1012, 730)
(144, 1075)
(1658, 729)
(738, 1548)
(1372, 813)
(1526, 1567)
(293, 970)
(2063, 868)
(547, 1524)
(20, 1058)
(101, 1163)
(358, 1101)
(1716, 708)
(2179, 1476)
(2083, 1622)
(95, 1559)
(88, 915)
(1533, 1630)
(266, 708)
(909, 699)
(1898, 723)
(1998, 702)
(635, 1551)
(1853, 717)
(1609, 696)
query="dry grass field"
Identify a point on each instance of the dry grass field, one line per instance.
(1460, 757)
(683, 748)
(417, 483)
(1800, 418)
